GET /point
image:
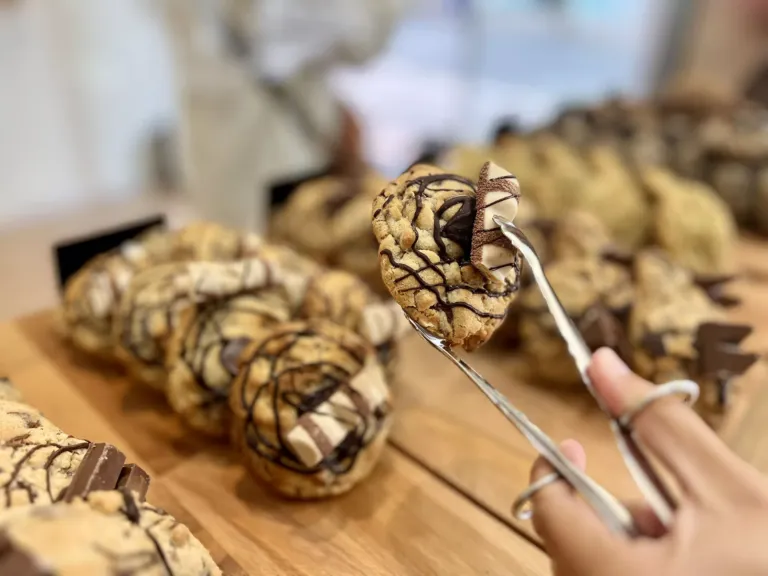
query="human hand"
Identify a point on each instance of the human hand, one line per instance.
(720, 527)
(754, 9)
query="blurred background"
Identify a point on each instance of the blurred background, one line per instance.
(116, 110)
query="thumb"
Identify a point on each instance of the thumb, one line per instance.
(573, 535)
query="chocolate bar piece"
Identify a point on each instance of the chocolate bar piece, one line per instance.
(15, 561)
(134, 479)
(318, 433)
(718, 349)
(600, 327)
(497, 195)
(99, 470)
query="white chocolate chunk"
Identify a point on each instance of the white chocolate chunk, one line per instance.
(382, 322)
(318, 433)
(498, 260)
(498, 193)
(371, 385)
(133, 252)
(504, 205)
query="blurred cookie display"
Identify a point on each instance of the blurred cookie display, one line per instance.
(183, 323)
(738, 171)
(679, 332)
(92, 295)
(329, 220)
(442, 257)
(691, 223)
(597, 295)
(311, 409)
(696, 134)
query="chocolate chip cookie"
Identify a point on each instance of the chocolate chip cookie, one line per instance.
(109, 533)
(345, 300)
(596, 294)
(691, 223)
(434, 230)
(311, 409)
(37, 459)
(92, 296)
(152, 306)
(679, 332)
(204, 353)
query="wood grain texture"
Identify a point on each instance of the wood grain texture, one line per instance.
(401, 521)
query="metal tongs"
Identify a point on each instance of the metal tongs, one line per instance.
(612, 512)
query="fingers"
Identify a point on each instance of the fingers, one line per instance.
(571, 532)
(671, 431)
(646, 520)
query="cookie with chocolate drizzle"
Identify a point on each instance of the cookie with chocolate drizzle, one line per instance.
(108, 533)
(37, 459)
(692, 223)
(329, 219)
(153, 305)
(596, 294)
(346, 300)
(424, 223)
(204, 354)
(677, 331)
(311, 409)
(92, 296)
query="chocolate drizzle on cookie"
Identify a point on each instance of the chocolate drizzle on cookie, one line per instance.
(204, 341)
(280, 393)
(14, 481)
(458, 230)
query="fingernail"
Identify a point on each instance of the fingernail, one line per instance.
(611, 366)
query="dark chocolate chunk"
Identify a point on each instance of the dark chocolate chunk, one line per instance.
(99, 470)
(459, 228)
(230, 354)
(714, 286)
(719, 355)
(653, 344)
(619, 256)
(16, 562)
(600, 327)
(134, 479)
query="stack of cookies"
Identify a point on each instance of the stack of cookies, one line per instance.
(70, 506)
(249, 341)
(660, 307)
